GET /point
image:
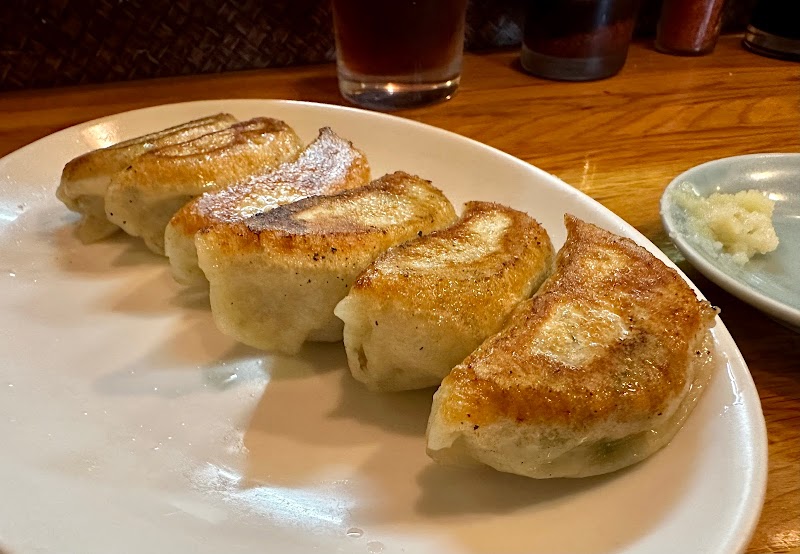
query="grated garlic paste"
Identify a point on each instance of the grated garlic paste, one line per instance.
(739, 225)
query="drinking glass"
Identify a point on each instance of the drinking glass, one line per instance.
(577, 40)
(774, 29)
(393, 54)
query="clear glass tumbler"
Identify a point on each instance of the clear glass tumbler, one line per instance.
(393, 54)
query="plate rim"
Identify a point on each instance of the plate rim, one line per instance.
(749, 518)
(750, 295)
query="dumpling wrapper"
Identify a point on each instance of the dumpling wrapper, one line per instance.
(85, 179)
(596, 372)
(330, 164)
(421, 307)
(143, 197)
(276, 277)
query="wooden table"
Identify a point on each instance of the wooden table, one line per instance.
(620, 141)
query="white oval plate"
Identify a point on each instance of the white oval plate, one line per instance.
(129, 424)
(770, 282)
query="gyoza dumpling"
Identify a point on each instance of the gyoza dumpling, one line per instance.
(596, 372)
(330, 164)
(421, 307)
(276, 277)
(145, 195)
(85, 179)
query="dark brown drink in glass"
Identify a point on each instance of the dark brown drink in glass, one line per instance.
(577, 40)
(774, 29)
(398, 53)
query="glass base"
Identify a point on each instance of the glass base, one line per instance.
(773, 46)
(385, 96)
(571, 69)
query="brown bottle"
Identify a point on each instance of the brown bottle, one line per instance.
(689, 27)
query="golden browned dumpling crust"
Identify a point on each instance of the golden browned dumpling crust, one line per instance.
(85, 179)
(595, 372)
(143, 197)
(420, 308)
(276, 277)
(330, 164)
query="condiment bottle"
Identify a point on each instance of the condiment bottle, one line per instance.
(577, 40)
(689, 27)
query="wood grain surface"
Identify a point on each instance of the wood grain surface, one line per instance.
(620, 140)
